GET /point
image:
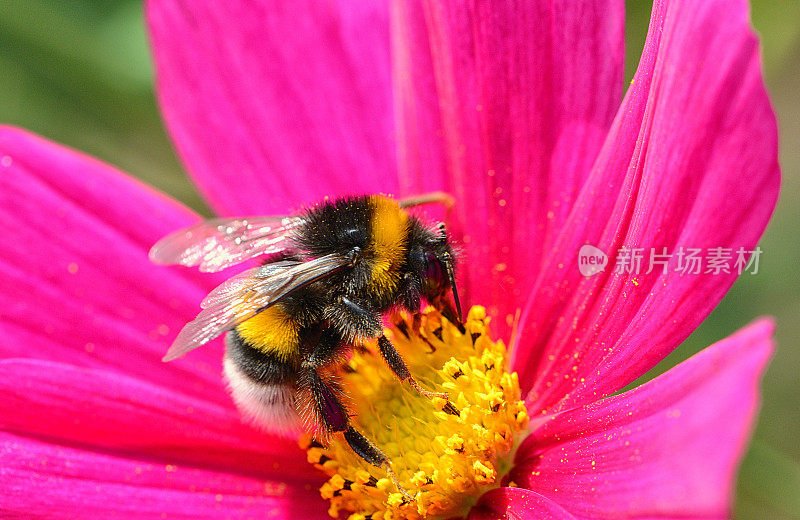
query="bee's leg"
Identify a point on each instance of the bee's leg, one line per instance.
(331, 414)
(364, 448)
(388, 351)
(409, 293)
(333, 417)
(327, 346)
(400, 369)
(355, 319)
(416, 322)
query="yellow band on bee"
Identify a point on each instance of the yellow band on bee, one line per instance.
(389, 236)
(271, 331)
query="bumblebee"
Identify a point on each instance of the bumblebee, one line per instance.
(329, 276)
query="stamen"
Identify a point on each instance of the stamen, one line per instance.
(444, 453)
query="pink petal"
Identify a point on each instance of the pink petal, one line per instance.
(111, 412)
(75, 281)
(668, 449)
(43, 480)
(276, 105)
(505, 105)
(516, 504)
(691, 161)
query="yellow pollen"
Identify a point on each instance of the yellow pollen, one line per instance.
(444, 455)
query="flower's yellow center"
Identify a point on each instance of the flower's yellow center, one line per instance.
(445, 455)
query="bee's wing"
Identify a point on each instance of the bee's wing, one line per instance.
(244, 295)
(219, 243)
(245, 282)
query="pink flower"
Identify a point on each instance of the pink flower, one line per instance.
(512, 109)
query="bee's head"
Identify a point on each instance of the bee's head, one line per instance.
(433, 263)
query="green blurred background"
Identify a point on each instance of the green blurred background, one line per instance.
(79, 73)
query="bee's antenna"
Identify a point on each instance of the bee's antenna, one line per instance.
(447, 259)
(448, 264)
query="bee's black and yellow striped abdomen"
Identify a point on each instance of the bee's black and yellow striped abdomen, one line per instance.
(274, 331)
(266, 346)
